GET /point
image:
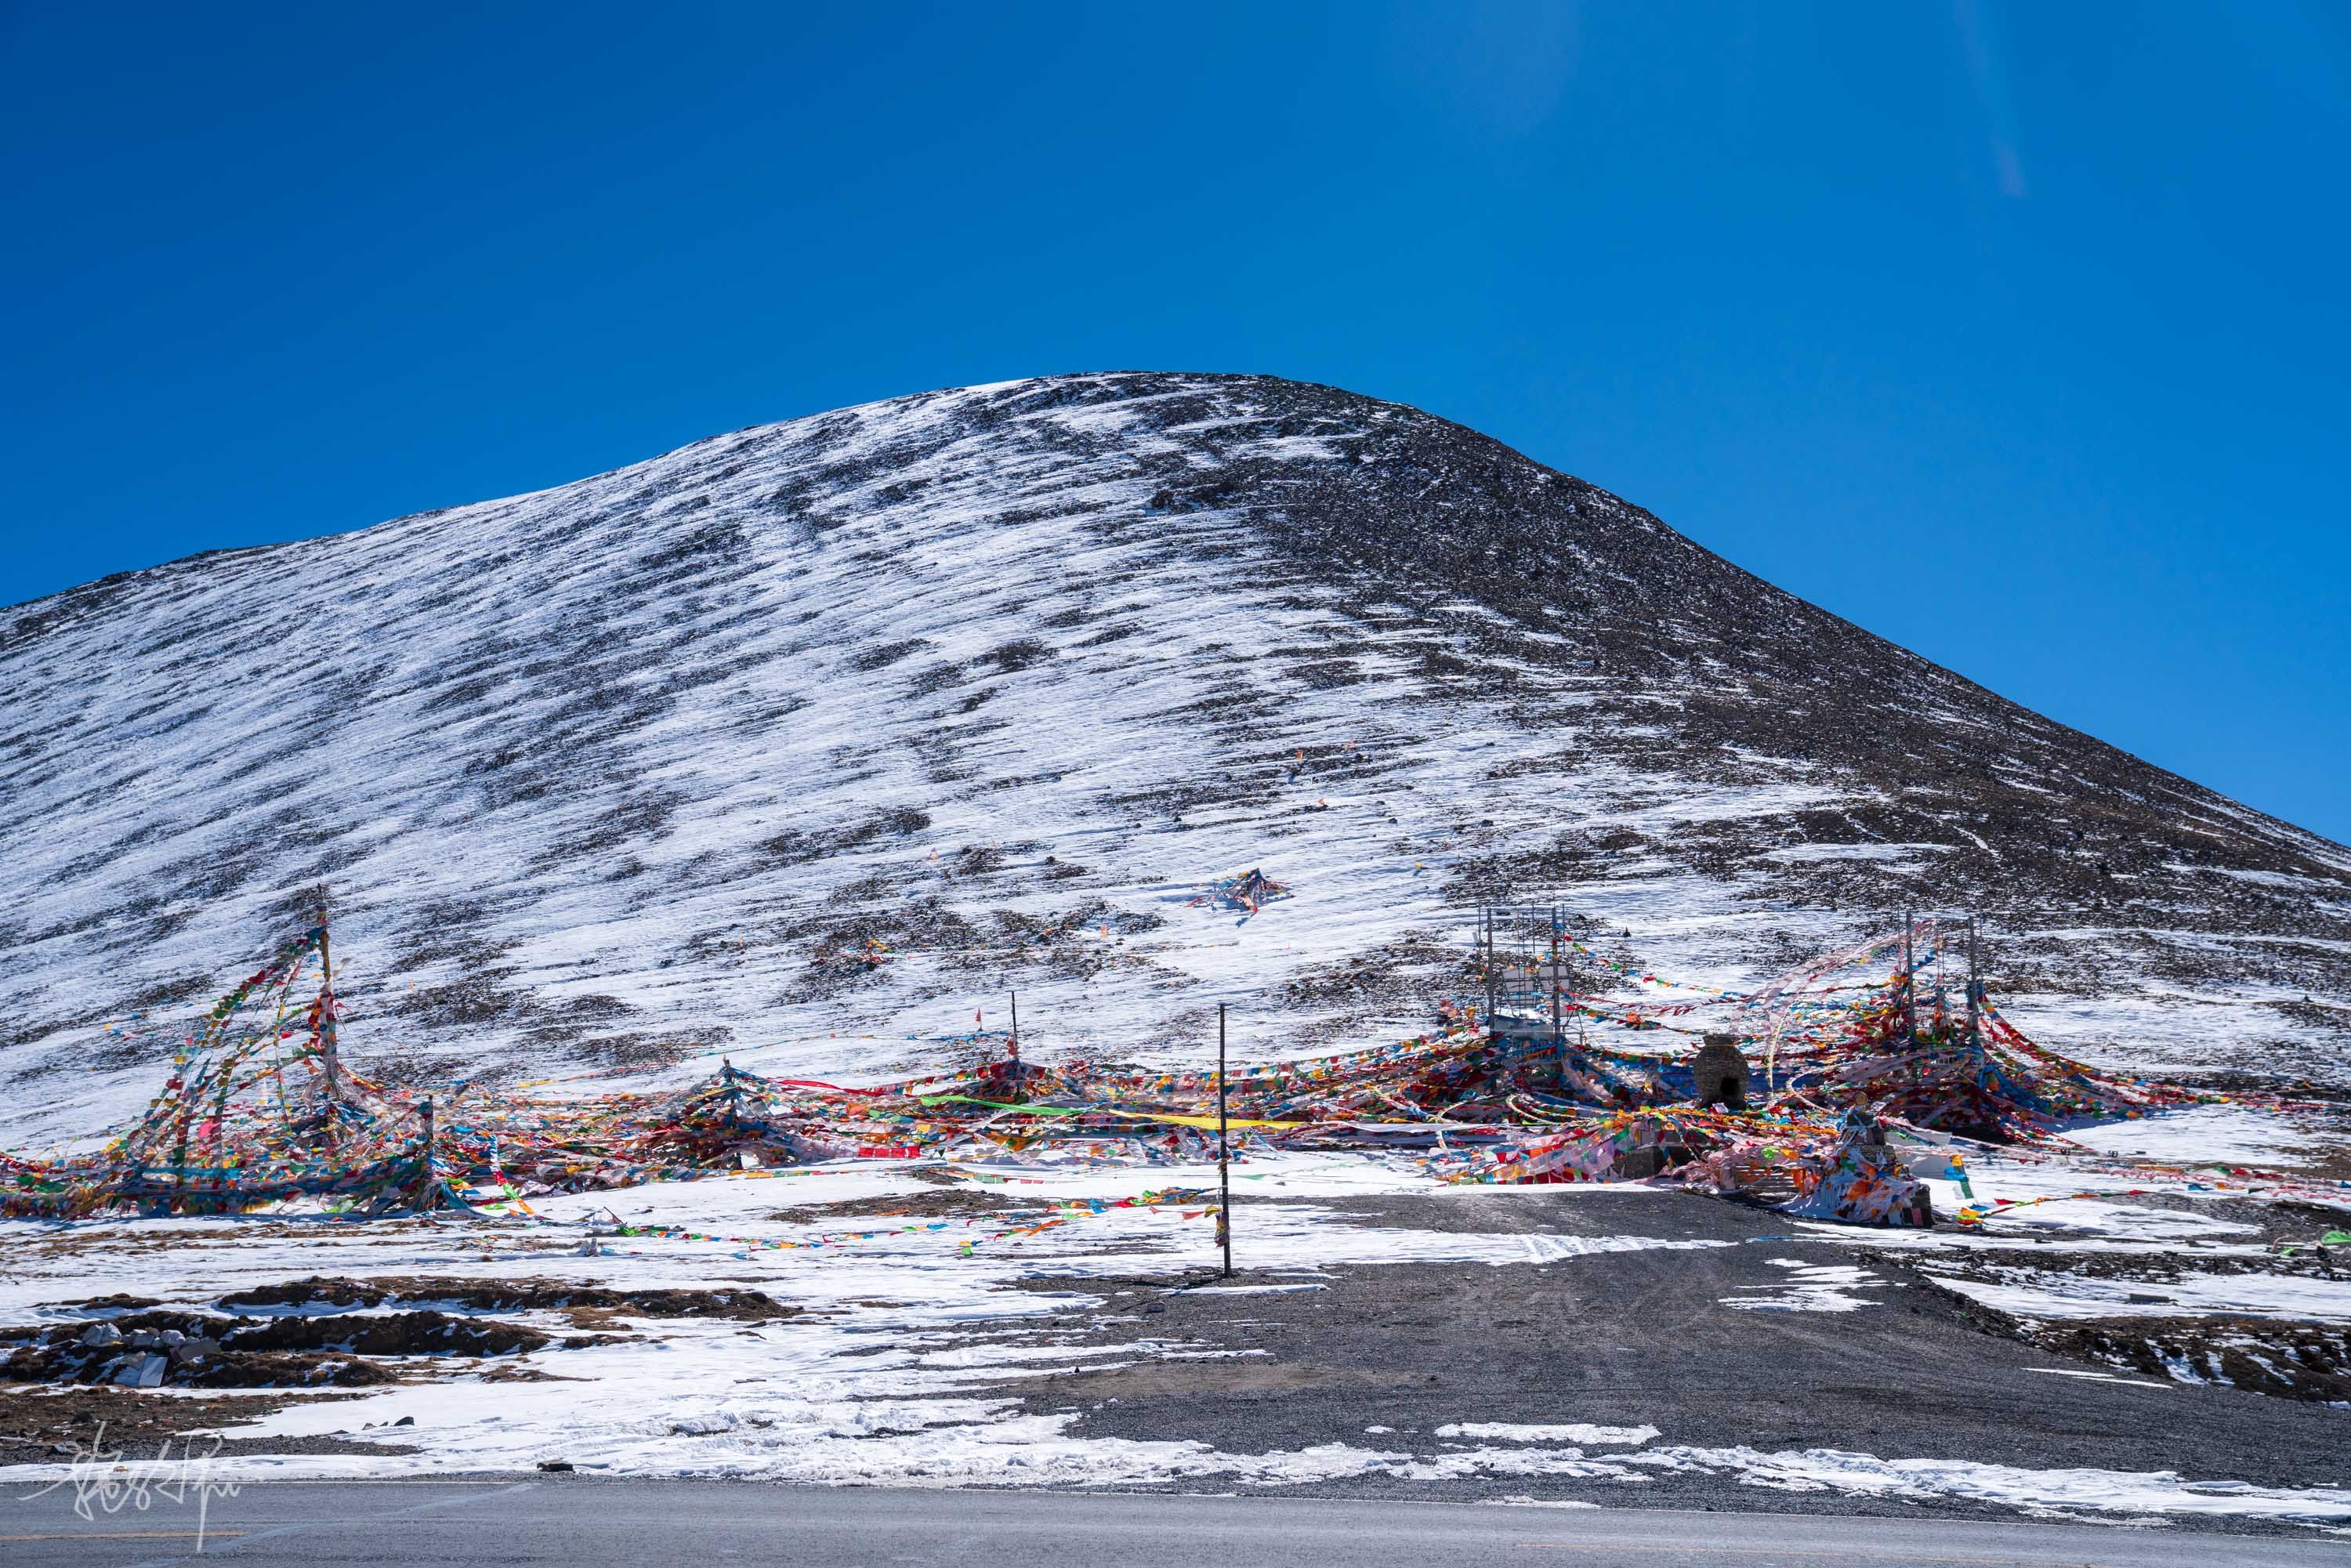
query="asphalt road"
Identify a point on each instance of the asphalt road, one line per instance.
(583, 1522)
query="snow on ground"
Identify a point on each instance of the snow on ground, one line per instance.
(1569, 1432)
(2122, 1166)
(1809, 1288)
(2117, 1229)
(2067, 1217)
(2052, 1184)
(2049, 1295)
(2160, 1030)
(2088, 1376)
(2117, 1491)
(2201, 1135)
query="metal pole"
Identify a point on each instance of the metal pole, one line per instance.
(1975, 1037)
(424, 1185)
(1910, 986)
(1486, 913)
(1224, 1155)
(1558, 951)
(220, 1135)
(1943, 966)
(1935, 1001)
(1558, 987)
(1566, 978)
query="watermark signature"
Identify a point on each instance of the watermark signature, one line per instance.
(103, 1483)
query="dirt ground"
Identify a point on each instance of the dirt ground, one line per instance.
(1644, 1338)
(51, 1425)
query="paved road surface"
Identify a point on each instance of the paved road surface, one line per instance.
(583, 1523)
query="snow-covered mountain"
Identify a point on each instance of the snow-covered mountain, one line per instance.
(999, 677)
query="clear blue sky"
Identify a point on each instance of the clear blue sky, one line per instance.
(2018, 334)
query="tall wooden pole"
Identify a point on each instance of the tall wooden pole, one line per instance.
(1224, 1155)
(1016, 1020)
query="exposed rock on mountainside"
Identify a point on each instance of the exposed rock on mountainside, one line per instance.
(847, 725)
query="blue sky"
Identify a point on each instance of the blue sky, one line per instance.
(2016, 334)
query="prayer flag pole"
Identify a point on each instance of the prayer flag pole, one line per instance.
(1224, 1155)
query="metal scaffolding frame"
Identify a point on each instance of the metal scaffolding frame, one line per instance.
(1943, 929)
(1529, 962)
